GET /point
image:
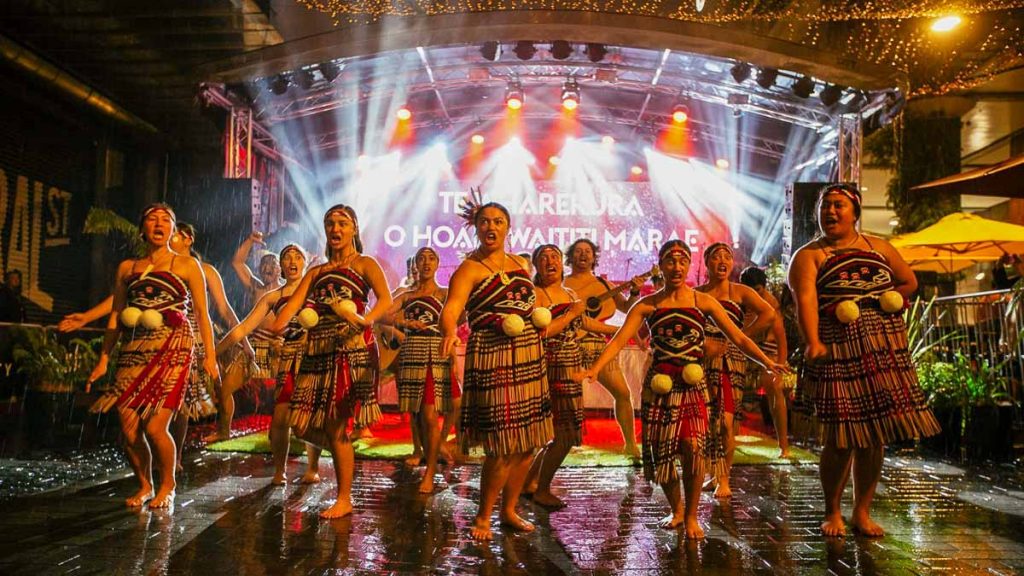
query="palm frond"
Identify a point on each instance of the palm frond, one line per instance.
(106, 222)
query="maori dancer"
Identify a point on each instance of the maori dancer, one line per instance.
(182, 243)
(674, 411)
(726, 372)
(850, 290)
(505, 406)
(562, 351)
(269, 268)
(583, 257)
(425, 381)
(153, 298)
(197, 403)
(285, 361)
(773, 342)
(337, 376)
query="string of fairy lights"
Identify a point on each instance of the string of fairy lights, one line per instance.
(896, 33)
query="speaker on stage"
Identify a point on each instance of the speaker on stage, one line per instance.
(800, 224)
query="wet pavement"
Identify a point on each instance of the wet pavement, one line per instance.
(228, 519)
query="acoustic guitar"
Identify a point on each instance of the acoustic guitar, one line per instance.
(594, 302)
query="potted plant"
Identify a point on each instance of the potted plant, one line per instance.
(54, 373)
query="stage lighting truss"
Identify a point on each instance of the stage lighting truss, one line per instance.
(514, 95)
(570, 94)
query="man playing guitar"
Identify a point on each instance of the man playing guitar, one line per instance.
(582, 257)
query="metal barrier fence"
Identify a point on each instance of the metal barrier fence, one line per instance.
(984, 327)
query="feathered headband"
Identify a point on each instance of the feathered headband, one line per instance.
(470, 206)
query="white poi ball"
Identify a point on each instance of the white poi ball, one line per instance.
(847, 311)
(541, 317)
(130, 316)
(513, 325)
(308, 318)
(348, 305)
(891, 301)
(661, 383)
(151, 319)
(693, 373)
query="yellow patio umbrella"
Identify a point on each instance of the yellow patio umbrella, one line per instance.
(959, 240)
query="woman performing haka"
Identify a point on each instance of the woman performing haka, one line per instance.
(850, 290)
(153, 297)
(269, 269)
(675, 395)
(505, 405)
(337, 376)
(182, 241)
(425, 381)
(562, 352)
(773, 342)
(725, 373)
(285, 360)
(269, 279)
(197, 403)
(583, 259)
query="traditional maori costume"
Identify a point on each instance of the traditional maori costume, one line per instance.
(563, 358)
(338, 367)
(681, 415)
(865, 391)
(422, 375)
(506, 406)
(153, 366)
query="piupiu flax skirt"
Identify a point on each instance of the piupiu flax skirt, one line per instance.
(865, 393)
(506, 405)
(668, 422)
(420, 369)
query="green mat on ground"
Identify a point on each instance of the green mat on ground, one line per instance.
(751, 448)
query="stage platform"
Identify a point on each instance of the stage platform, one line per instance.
(228, 520)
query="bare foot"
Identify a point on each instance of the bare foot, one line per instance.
(546, 498)
(414, 460)
(279, 479)
(672, 520)
(833, 526)
(529, 488)
(427, 484)
(139, 498)
(481, 529)
(693, 529)
(785, 453)
(865, 526)
(360, 433)
(444, 455)
(216, 437)
(310, 477)
(340, 509)
(162, 500)
(516, 522)
(723, 490)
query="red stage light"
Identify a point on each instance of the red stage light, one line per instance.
(636, 170)
(514, 103)
(680, 114)
(477, 139)
(403, 113)
(570, 104)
